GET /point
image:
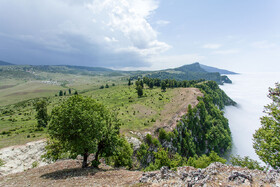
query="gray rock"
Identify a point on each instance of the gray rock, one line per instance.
(135, 142)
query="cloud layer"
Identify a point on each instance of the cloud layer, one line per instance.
(112, 33)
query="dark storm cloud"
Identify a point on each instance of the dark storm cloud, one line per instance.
(94, 33)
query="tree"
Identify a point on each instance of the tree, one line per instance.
(76, 92)
(82, 126)
(69, 91)
(64, 92)
(163, 86)
(42, 113)
(101, 87)
(129, 82)
(60, 93)
(106, 86)
(266, 141)
(139, 90)
(151, 84)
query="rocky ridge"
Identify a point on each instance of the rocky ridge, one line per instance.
(21, 157)
(216, 174)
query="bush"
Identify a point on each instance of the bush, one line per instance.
(245, 162)
(35, 164)
(204, 160)
(163, 158)
(2, 163)
(123, 154)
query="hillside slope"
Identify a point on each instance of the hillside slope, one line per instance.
(3, 63)
(69, 173)
(189, 72)
(213, 69)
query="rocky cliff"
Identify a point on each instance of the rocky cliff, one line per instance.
(216, 174)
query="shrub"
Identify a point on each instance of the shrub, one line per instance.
(2, 163)
(245, 162)
(35, 164)
(204, 160)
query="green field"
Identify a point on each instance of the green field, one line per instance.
(22, 86)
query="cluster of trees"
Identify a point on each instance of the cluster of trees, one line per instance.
(203, 131)
(106, 86)
(153, 155)
(163, 84)
(61, 93)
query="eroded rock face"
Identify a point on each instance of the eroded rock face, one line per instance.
(135, 141)
(216, 174)
(22, 157)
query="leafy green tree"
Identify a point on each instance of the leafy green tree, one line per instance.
(106, 86)
(139, 89)
(266, 138)
(42, 113)
(81, 126)
(76, 92)
(163, 86)
(64, 92)
(245, 162)
(129, 82)
(60, 93)
(101, 87)
(69, 91)
(151, 84)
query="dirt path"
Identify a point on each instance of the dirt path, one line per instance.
(173, 111)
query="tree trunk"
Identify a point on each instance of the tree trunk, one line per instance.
(85, 164)
(96, 155)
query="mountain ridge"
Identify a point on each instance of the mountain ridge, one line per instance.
(3, 63)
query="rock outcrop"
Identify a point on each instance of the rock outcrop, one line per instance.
(216, 174)
(21, 157)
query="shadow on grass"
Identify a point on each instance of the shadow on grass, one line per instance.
(70, 173)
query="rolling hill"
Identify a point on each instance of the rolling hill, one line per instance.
(3, 63)
(190, 72)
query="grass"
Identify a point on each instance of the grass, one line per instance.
(17, 119)
(135, 113)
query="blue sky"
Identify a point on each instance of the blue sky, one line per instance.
(239, 35)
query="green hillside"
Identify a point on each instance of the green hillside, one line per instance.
(189, 72)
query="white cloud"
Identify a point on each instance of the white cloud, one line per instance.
(127, 19)
(211, 46)
(264, 44)
(226, 52)
(162, 22)
(106, 31)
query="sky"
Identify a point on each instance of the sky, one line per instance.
(238, 35)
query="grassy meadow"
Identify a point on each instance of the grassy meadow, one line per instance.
(19, 94)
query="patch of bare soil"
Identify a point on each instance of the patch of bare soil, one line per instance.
(70, 173)
(6, 86)
(178, 106)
